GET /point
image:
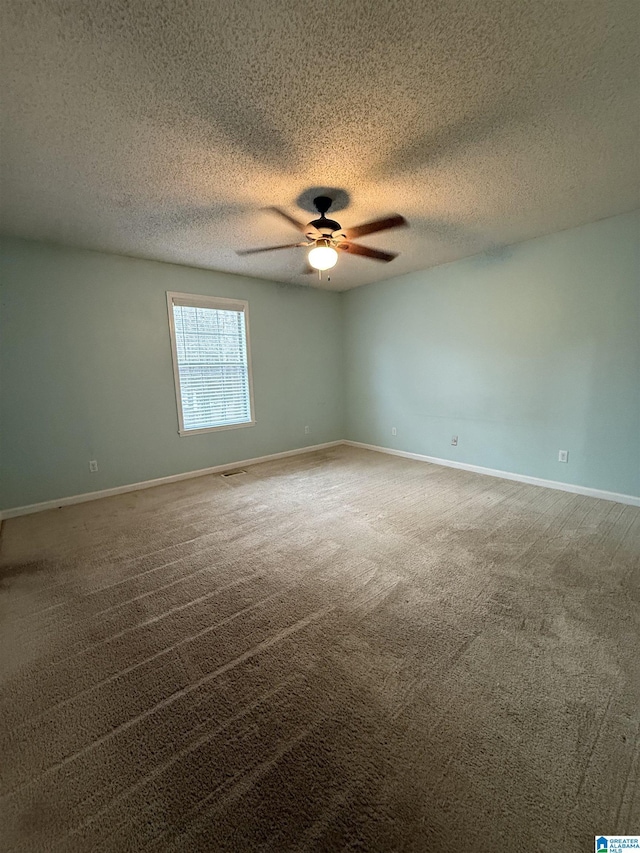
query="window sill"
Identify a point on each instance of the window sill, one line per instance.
(185, 432)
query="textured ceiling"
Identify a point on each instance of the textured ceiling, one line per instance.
(162, 129)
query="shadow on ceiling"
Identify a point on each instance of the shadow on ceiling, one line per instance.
(435, 145)
(340, 199)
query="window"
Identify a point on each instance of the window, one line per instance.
(211, 364)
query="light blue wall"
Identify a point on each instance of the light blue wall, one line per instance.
(86, 372)
(520, 354)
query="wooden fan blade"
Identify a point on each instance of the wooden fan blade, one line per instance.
(366, 252)
(395, 221)
(269, 249)
(299, 225)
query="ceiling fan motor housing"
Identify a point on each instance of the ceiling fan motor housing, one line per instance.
(325, 226)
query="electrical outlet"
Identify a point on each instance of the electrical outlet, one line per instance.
(394, 431)
(454, 440)
(307, 430)
(563, 456)
(93, 466)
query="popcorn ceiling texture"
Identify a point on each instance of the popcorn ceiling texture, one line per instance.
(160, 129)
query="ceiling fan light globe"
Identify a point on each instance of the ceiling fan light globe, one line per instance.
(323, 257)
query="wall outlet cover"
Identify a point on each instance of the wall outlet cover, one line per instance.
(93, 466)
(394, 431)
(563, 456)
(454, 440)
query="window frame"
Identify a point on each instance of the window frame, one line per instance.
(195, 300)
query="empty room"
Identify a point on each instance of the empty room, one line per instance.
(320, 426)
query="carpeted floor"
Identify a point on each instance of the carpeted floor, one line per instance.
(340, 651)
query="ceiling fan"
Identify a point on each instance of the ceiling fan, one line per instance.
(326, 237)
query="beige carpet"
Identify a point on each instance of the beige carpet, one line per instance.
(342, 651)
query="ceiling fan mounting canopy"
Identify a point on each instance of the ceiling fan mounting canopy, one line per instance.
(322, 203)
(329, 236)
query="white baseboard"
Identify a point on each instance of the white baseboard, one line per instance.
(160, 481)
(632, 500)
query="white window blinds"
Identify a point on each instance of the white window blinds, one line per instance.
(211, 360)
